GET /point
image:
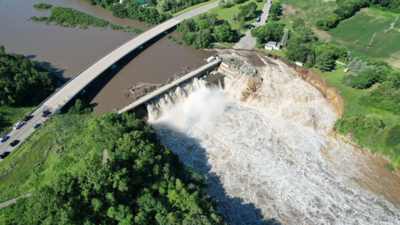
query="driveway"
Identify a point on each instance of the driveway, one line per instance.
(248, 42)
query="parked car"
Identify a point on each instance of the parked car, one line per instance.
(4, 138)
(17, 126)
(36, 125)
(5, 154)
(258, 19)
(14, 143)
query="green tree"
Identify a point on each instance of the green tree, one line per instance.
(357, 66)
(310, 61)
(251, 12)
(352, 64)
(364, 79)
(221, 3)
(393, 138)
(242, 23)
(163, 9)
(224, 32)
(298, 22)
(285, 39)
(324, 61)
(298, 52)
(233, 16)
(347, 80)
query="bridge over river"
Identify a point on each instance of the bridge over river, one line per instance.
(74, 86)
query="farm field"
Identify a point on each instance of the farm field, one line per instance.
(356, 33)
(309, 10)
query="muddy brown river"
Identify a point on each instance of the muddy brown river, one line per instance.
(67, 51)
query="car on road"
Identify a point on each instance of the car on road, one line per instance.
(4, 138)
(258, 19)
(5, 154)
(36, 125)
(28, 117)
(17, 126)
(14, 143)
(46, 113)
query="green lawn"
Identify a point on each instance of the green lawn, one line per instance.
(356, 33)
(10, 115)
(309, 10)
(351, 96)
(226, 13)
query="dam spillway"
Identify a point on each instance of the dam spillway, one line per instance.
(269, 158)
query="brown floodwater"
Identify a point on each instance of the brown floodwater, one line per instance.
(67, 51)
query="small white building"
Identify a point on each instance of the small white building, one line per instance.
(210, 59)
(224, 64)
(272, 45)
(144, 5)
(345, 70)
(299, 63)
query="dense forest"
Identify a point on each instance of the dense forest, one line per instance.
(204, 31)
(22, 80)
(131, 9)
(346, 9)
(141, 182)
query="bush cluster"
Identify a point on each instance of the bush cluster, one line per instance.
(42, 6)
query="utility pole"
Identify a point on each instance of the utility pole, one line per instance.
(372, 39)
(348, 54)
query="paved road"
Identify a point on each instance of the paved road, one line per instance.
(248, 42)
(78, 83)
(4, 204)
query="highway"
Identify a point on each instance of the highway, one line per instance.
(74, 86)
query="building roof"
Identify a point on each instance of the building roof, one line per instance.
(272, 43)
(141, 1)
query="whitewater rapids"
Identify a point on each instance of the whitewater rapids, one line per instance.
(269, 159)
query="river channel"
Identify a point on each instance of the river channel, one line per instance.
(67, 51)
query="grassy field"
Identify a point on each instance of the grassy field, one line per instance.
(309, 10)
(356, 33)
(226, 13)
(10, 115)
(46, 154)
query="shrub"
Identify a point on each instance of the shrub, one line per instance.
(364, 79)
(42, 6)
(393, 138)
(347, 80)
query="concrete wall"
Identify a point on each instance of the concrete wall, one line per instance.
(197, 73)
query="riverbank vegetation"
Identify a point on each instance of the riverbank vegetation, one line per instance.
(63, 165)
(22, 82)
(132, 9)
(42, 6)
(70, 17)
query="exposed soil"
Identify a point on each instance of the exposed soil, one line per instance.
(323, 35)
(355, 41)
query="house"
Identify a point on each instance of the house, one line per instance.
(142, 3)
(299, 63)
(272, 45)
